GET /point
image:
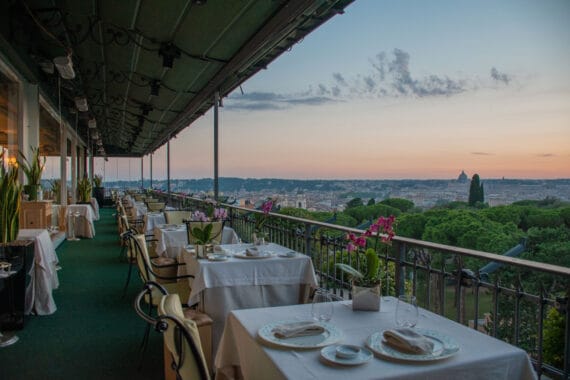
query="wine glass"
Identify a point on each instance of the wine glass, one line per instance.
(322, 308)
(407, 311)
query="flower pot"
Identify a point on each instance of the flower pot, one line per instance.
(32, 191)
(366, 298)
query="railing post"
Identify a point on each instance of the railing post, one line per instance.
(308, 239)
(566, 307)
(400, 272)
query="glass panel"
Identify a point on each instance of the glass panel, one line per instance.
(9, 116)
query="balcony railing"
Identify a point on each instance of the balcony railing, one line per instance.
(513, 303)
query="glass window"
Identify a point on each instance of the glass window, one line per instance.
(9, 107)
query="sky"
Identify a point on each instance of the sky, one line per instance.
(392, 90)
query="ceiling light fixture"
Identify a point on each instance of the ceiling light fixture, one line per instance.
(168, 52)
(64, 66)
(92, 123)
(154, 87)
(81, 104)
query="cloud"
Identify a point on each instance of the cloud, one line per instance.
(390, 75)
(546, 155)
(482, 154)
(500, 77)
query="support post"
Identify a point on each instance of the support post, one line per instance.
(151, 170)
(216, 137)
(142, 173)
(168, 168)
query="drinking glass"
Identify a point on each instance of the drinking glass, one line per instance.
(322, 308)
(407, 311)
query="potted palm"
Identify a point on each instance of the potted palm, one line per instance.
(366, 285)
(56, 190)
(84, 190)
(10, 197)
(33, 171)
(98, 189)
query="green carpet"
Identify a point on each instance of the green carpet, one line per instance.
(94, 334)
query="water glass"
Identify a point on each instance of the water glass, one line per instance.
(322, 308)
(407, 311)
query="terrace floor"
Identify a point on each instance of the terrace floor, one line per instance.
(94, 333)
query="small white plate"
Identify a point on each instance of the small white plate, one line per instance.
(217, 257)
(287, 254)
(329, 354)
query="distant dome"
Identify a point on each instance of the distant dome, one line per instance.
(462, 177)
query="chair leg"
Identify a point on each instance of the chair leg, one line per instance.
(144, 343)
(128, 279)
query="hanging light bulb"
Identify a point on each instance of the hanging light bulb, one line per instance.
(92, 123)
(81, 104)
(64, 66)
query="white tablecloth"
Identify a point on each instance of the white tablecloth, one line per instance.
(152, 220)
(247, 283)
(39, 299)
(84, 222)
(171, 241)
(479, 357)
(95, 206)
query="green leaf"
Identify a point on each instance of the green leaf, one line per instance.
(349, 270)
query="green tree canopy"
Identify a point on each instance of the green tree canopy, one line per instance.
(403, 205)
(476, 192)
(354, 202)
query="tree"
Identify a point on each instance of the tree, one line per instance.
(371, 202)
(354, 202)
(476, 192)
(403, 205)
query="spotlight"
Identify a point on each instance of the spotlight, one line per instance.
(154, 87)
(81, 104)
(168, 53)
(65, 67)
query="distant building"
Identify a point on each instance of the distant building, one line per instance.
(462, 177)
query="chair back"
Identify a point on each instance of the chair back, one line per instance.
(139, 197)
(215, 236)
(150, 200)
(138, 247)
(155, 206)
(177, 217)
(182, 340)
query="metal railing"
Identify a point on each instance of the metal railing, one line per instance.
(520, 303)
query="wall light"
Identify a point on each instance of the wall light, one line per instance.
(92, 123)
(81, 104)
(65, 67)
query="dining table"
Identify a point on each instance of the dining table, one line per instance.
(238, 281)
(172, 238)
(250, 349)
(39, 298)
(83, 220)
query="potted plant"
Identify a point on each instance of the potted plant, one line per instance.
(33, 171)
(201, 231)
(98, 189)
(10, 197)
(259, 233)
(84, 190)
(56, 190)
(366, 285)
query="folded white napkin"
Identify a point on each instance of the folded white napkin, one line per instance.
(253, 251)
(408, 340)
(295, 329)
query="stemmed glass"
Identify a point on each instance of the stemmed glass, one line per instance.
(322, 308)
(407, 311)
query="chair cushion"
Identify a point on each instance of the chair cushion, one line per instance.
(158, 261)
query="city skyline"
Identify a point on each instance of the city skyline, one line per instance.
(394, 90)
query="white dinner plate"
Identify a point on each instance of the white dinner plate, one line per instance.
(287, 254)
(330, 335)
(262, 255)
(217, 257)
(443, 347)
(329, 354)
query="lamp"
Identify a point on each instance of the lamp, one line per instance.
(168, 53)
(64, 66)
(95, 134)
(92, 123)
(81, 104)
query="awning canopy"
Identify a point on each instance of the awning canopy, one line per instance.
(148, 69)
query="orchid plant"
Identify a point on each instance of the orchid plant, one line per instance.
(383, 230)
(203, 233)
(260, 219)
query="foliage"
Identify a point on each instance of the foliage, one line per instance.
(84, 188)
(366, 213)
(553, 344)
(403, 205)
(354, 202)
(371, 202)
(203, 234)
(97, 180)
(10, 198)
(260, 219)
(33, 168)
(476, 192)
(56, 189)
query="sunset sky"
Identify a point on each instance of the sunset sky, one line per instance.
(397, 89)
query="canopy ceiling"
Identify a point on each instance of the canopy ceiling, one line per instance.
(122, 52)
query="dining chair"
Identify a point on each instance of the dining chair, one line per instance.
(177, 216)
(215, 236)
(155, 206)
(187, 336)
